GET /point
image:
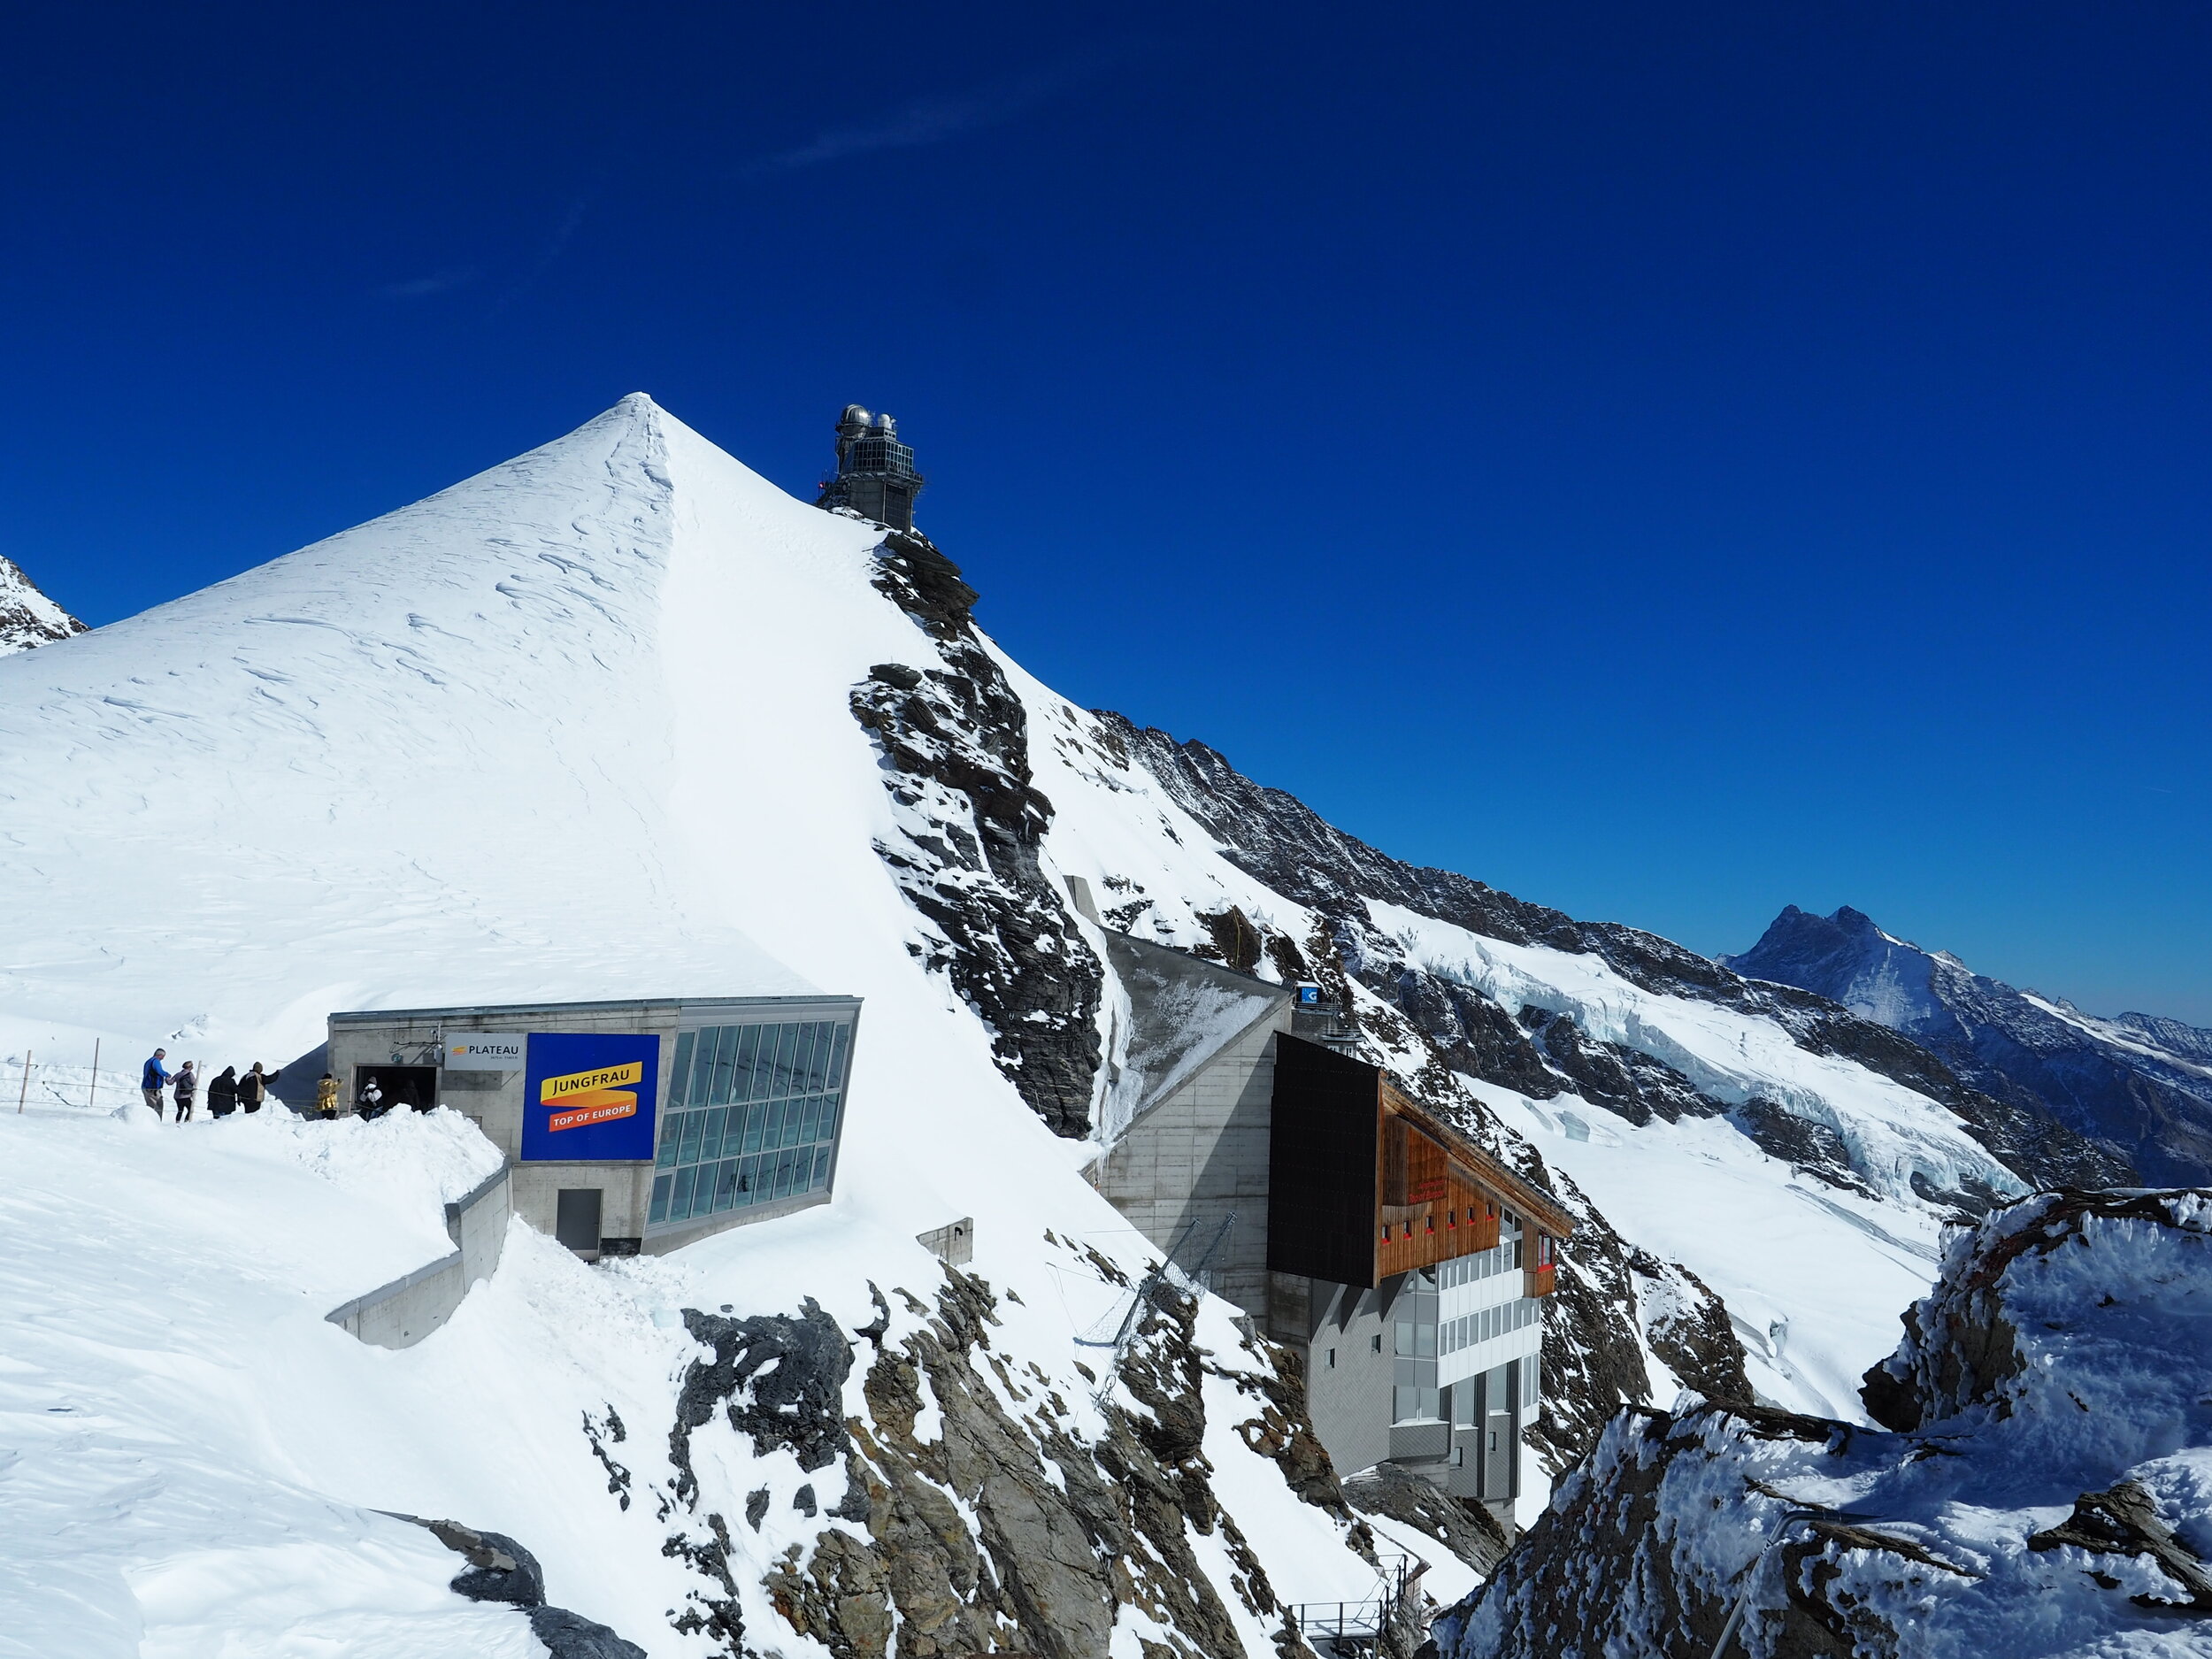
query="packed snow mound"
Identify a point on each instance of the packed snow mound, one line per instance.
(28, 618)
(200, 1464)
(2137, 1084)
(2046, 1488)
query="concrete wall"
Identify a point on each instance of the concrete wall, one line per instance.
(1344, 1332)
(402, 1313)
(1201, 1152)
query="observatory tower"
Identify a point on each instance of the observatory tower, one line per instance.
(875, 474)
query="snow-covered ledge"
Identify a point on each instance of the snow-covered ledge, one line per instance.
(402, 1313)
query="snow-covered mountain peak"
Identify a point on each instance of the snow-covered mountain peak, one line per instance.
(2135, 1086)
(28, 618)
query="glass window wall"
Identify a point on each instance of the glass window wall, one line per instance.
(753, 1116)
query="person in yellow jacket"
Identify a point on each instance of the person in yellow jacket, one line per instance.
(327, 1097)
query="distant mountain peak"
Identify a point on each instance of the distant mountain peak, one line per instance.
(28, 618)
(2137, 1084)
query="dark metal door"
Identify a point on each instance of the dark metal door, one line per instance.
(576, 1218)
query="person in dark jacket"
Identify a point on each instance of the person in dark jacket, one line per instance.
(152, 1079)
(370, 1105)
(222, 1093)
(253, 1088)
(187, 1089)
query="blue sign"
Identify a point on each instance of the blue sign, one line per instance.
(589, 1097)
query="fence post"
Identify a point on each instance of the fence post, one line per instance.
(22, 1093)
(93, 1098)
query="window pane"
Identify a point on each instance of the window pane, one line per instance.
(702, 1070)
(680, 1204)
(672, 1135)
(809, 1118)
(661, 1184)
(756, 1115)
(839, 1039)
(829, 1118)
(803, 1063)
(748, 1181)
(710, 1142)
(783, 1174)
(682, 1077)
(695, 1127)
(746, 1054)
(821, 1168)
(1424, 1340)
(725, 1185)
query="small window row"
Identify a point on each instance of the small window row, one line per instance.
(701, 1137)
(1465, 1270)
(1469, 1329)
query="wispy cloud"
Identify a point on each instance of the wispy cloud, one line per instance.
(931, 120)
(436, 282)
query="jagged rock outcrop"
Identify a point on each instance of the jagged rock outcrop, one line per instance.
(981, 1509)
(2057, 1367)
(1465, 1528)
(28, 618)
(500, 1570)
(955, 750)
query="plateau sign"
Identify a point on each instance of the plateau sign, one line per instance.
(481, 1051)
(588, 1096)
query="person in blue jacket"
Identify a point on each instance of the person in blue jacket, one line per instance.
(151, 1081)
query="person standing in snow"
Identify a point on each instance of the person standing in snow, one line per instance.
(222, 1093)
(371, 1103)
(187, 1087)
(152, 1079)
(253, 1088)
(327, 1097)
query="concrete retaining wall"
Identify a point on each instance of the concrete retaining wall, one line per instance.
(402, 1313)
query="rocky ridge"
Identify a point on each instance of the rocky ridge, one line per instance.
(969, 1505)
(2138, 1088)
(2056, 1370)
(955, 746)
(28, 618)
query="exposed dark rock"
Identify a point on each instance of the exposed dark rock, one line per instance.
(1467, 1529)
(499, 1568)
(798, 1401)
(1812, 1148)
(954, 743)
(1066, 1530)
(568, 1635)
(1236, 941)
(1688, 1328)
(600, 1435)
(28, 618)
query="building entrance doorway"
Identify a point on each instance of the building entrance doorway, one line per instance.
(414, 1086)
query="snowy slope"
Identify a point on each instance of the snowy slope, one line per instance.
(576, 727)
(591, 725)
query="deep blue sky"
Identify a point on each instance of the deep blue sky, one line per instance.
(1668, 462)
